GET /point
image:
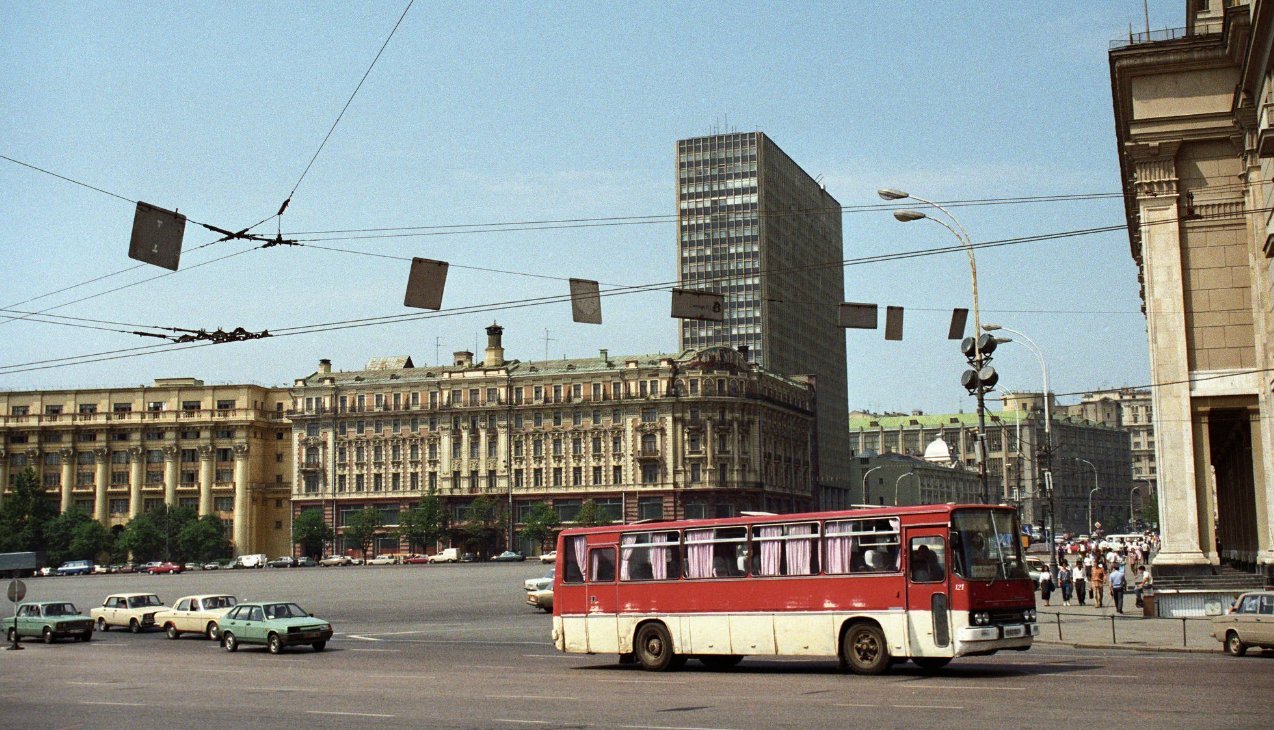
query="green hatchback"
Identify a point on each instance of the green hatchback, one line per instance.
(49, 620)
(276, 624)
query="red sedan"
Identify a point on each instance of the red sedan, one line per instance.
(165, 568)
(416, 560)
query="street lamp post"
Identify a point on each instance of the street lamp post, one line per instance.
(1130, 509)
(899, 481)
(1094, 490)
(980, 385)
(865, 474)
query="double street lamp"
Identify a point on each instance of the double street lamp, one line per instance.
(982, 378)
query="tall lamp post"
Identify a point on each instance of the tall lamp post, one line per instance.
(899, 481)
(1091, 492)
(982, 378)
(1130, 509)
(865, 474)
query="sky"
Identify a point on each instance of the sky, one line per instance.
(482, 114)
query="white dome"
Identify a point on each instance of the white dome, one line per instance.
(938, 452)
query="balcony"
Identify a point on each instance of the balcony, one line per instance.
(646, 452)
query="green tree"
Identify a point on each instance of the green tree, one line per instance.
(92, 541)
(59, 532)
(24, 514)
(156, 534)
(311, 531)
(361, 528)
(424, 524)
(540, 524)
(590, 515)
(483, 525)
(204, 539)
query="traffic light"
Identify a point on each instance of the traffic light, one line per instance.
(978, 352)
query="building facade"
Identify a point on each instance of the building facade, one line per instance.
(1196, 155)
(1129, 409)
(1091, 464)
(701, 434)
(115, 453)
(756, 228)
(906, 479)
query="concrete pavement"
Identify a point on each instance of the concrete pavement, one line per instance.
(1092, 627)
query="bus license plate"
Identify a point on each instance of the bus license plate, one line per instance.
(1014, 632)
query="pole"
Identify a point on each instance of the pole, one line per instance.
(899, 481)
(1095, 488)
(865, 474)
(1130, 510)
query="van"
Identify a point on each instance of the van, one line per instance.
(76, 567)
(449, 555)
(256, 560)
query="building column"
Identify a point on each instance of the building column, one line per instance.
(205, 479)
(136, 473)
(241, 500)
(170, 475)
(101, 508)
(68, 478)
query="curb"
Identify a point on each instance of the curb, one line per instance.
(1127, 647)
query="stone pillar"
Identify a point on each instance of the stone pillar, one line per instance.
(136, 475)
(68, 477)
(1175, 450)
(242, 505)
(171, 453)
(206, 453)
(101, 508)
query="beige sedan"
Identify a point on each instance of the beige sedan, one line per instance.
(1250, 623)
(196, 615)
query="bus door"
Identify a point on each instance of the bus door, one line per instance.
(928, 591)
(603, 600)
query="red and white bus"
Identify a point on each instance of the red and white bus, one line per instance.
(870, 586)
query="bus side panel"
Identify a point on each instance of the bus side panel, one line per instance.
(575, 634)
(805, 634)
(603, 637)
(752, 633)
(709, 633)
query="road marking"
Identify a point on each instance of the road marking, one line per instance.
(523, 722)
(92, 684)
(533, 697)
(1114, 676)
(116, 704)
(347, 714)
(361, 638)
(851, 704)
(483, 666)
(928, 707)
(641, 681)
(381, 651)
(966, 686)
(669, 727)
(398, 676)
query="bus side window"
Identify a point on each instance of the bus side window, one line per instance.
(601, 563)
(573, 572)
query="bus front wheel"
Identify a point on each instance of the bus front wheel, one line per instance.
(654, 648)
(864, 650)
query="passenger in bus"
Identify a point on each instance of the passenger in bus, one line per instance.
(925, 566)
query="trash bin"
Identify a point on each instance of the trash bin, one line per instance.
(1148, 604)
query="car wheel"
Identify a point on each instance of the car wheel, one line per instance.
(654, 647)
(101, 625)
(213, 631)
(276, 645)
(229, 642)
(319, 645)
(47, 635)
(864, 650)
(931, 663)
(12, 636)
(1234, 646)
(134, 626)
(172, 631)
(720, 661)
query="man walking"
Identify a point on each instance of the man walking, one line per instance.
(1078, 582)
(1117, 586)
(1099, 582)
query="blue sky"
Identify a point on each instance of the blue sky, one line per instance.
(500, 112)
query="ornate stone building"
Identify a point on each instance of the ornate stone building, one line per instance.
(699, 434)
(116, 452)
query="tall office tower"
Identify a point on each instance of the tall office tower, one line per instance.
(756, 228)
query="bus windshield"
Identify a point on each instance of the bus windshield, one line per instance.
(987, 546)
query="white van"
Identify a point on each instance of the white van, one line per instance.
(256, 560)
(448, 555)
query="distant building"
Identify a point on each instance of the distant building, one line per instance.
(937, 478)
(1129, 409)
(755, 227)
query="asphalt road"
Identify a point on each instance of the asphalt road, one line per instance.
(454, 647)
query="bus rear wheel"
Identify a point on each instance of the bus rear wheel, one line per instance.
(864, 650)
(654, 648)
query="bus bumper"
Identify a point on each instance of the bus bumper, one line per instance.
(971, 640)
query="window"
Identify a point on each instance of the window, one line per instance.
(601, 565)
(716, 552)
(649, 556)
(650, 508)
(785, 549)
(649, 473)
(223, 504)
(862, 546)
(225, 405)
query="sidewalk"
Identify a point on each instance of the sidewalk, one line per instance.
(1091, 627)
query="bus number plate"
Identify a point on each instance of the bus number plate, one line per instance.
(1013, 632)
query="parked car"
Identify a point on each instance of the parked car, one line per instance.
(332, 560)
(99, 569)
(255, 560)
(283, 561)
(447, 555)
(134, 610)
(384, 560)
(193, 566)
(1035, 567)
(1249, 623)
(305, 561)
(549, 557)
(416, 560)
(355, 561)
(541, 599)
(49, 620)
(508, 556)
(276, 624)
(196, 615)
(75, 567)
(127, 568)
(539, 584)
(165, 567)
(468, 558)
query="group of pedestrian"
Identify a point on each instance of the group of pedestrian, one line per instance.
(1094, 569)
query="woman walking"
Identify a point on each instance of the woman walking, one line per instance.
(1046, 585)
(1064, 582)
(1099, 582)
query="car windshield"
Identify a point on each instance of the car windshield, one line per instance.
(60, 609)
(219, 602)
(987, 546)
(143, 601)
(284, 610)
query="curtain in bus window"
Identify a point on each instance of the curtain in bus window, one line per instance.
(771, 550)
(626, 555)
(839, 547)
(698, 556)
(798, 550)
(659, 557)
(896, 524)
(577, 547)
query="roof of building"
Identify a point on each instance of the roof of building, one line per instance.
(863, 422)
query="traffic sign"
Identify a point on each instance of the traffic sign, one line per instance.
(17, 590)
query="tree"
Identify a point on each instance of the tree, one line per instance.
(361, 528)
(59, 532)
(483, 524)
(92, 541)
(311, 531)
(156, 534)
(24, 514)
(540, 524)
(590, 515)
(204, 539)
(424, 524)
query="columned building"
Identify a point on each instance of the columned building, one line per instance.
(115, 453)
(700, 434)
(756, 228)
(1196, 155)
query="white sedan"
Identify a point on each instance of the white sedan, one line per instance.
(549, 557)
(196, 615)
(539, 584)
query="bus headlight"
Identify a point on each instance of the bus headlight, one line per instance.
(981, 618)
(1030, 615)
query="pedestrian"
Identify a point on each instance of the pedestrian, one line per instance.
(1078, 581)
(1117, 586)
(1046, 585)
(1064, 582)
(1141, 584)
(1098, 582)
